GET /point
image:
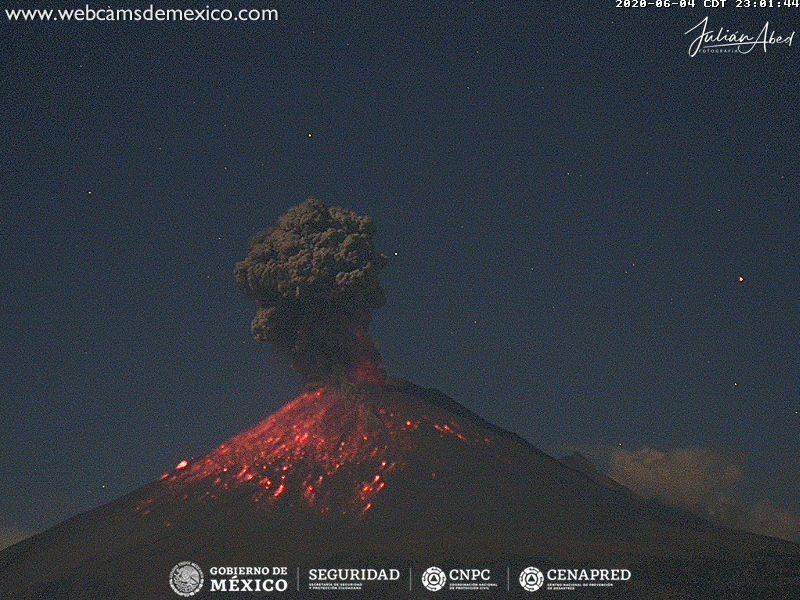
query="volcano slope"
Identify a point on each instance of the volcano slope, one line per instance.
(388, 474)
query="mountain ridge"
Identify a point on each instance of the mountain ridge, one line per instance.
(385, 473)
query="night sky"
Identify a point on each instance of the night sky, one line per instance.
(567, 199)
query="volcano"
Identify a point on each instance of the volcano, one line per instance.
(388, 473)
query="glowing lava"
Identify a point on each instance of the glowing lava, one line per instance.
(330, 450)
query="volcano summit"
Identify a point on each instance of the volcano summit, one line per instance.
(363, 470)
(387, 474)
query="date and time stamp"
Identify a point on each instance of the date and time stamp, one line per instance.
(709, 4)
(722, 28)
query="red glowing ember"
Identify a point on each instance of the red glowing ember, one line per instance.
(330, 450)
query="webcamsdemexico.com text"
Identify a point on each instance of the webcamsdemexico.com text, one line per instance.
(150, 13)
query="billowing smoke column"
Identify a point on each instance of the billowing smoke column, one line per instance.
(315, 279)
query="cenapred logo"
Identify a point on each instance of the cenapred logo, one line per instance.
(531, 579)
(433, 579)
(186, 578)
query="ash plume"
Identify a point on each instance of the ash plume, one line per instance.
(697, 479)
(704, 482)
(314, 278)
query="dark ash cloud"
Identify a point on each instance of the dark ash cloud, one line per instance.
(314, 278)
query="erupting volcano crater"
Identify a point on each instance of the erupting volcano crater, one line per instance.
(387, 474)
(369, 471)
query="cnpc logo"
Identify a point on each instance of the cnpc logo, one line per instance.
(434, 578)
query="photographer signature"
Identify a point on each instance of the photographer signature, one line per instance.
(734, 41)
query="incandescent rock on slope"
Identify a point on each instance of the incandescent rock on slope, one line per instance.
(387, 474)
